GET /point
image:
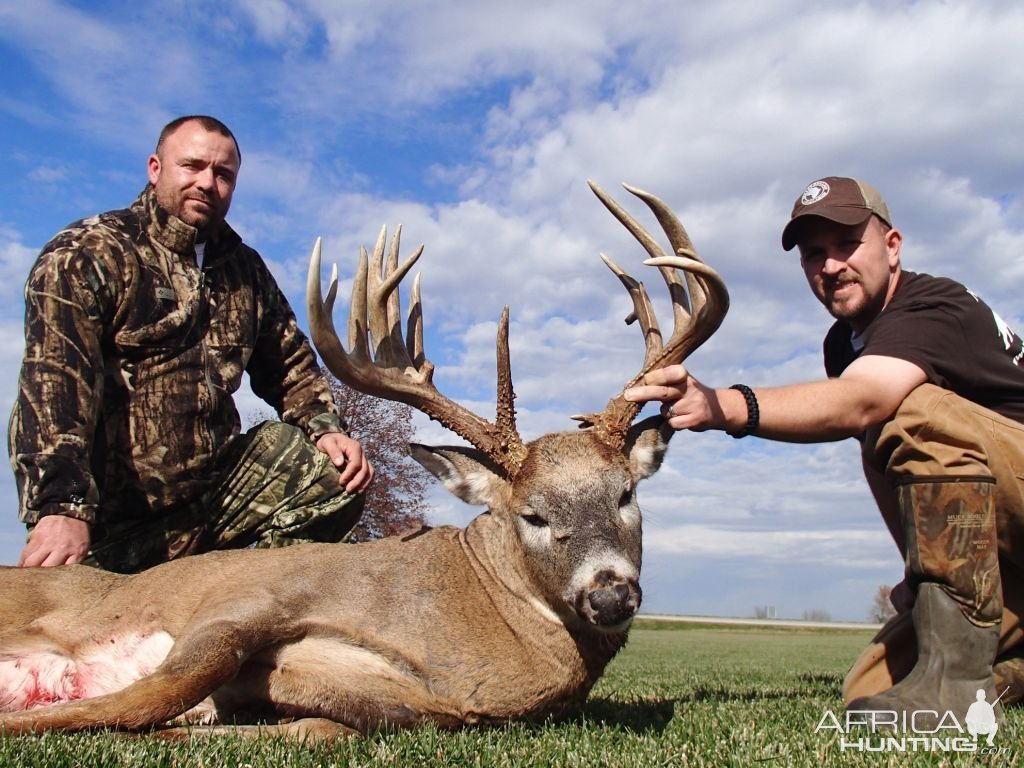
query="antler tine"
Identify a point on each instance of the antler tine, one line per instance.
(506, 413)
(357, 309)
(394, 304)
(398, 370)
(321, 323)
(332, 287)
(377, 299)
(709, 300)
(376, 320)
(642, 309)
(707, 317)
(414, 331)
(381, 314)
(680, 302)
(695, 320)
(681, 245)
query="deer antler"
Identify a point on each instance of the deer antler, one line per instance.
(397, 369)
(695, 317)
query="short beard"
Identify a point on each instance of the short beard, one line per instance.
(205, 226)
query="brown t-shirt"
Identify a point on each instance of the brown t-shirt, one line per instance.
(947, 331)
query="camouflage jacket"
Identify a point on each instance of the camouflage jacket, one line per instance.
(132, 355)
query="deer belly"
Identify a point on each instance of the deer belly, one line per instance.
(37, 678)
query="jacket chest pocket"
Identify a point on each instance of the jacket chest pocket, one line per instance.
(162, 307)
(231, 317)
(230, 333)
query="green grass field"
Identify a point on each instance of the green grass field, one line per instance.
(679, 695)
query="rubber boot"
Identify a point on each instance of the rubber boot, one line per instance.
(952, 560)
(1009, 676)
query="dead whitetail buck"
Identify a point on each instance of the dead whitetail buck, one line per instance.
(515, 616)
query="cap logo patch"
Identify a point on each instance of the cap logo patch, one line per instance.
(815, 191)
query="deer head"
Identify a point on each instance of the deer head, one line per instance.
(563, 509)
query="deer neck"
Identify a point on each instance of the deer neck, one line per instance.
(494, 552)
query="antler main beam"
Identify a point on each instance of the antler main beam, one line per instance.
(696, 316)
(380, 362)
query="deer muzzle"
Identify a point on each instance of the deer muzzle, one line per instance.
(609, 599)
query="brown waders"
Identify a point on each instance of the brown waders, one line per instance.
(947, 475)
(275, 489)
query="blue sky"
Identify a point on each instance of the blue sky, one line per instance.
(476, 124)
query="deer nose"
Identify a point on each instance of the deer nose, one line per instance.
(610, 599)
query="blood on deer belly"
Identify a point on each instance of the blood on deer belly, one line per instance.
(35, 676)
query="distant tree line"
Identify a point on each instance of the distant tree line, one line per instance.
(881, 607)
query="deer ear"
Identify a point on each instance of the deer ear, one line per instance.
(466, 472)
(646, 445)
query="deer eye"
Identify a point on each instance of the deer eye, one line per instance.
(626, 497)
(535, 520)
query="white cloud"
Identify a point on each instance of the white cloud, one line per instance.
(48, 174)
(277, 22)
(15, 260)
(825, 548)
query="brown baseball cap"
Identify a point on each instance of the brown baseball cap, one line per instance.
(836, 198)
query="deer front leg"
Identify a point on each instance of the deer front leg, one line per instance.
(203, 659)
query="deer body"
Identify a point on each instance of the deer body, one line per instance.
(452, 625)
(514, 617)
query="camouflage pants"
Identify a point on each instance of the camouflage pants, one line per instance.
(936, 435)
(277, 489)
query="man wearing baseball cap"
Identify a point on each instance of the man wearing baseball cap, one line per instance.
(930, 380)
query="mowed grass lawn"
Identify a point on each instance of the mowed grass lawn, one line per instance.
(679, 695)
